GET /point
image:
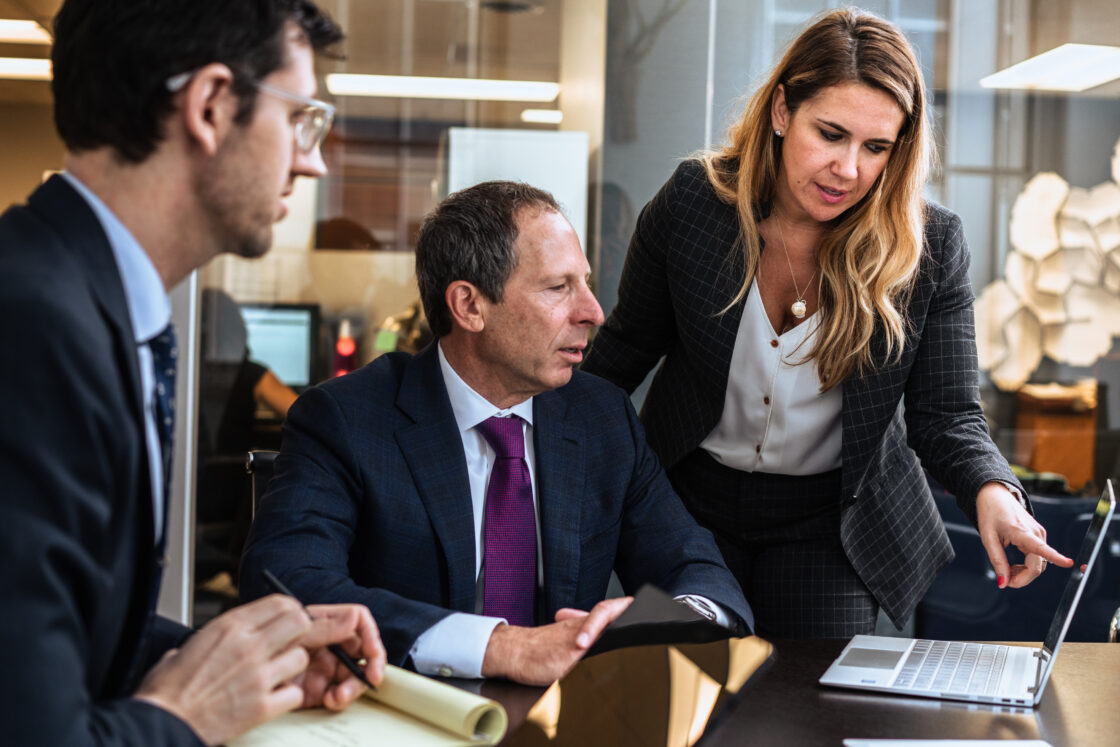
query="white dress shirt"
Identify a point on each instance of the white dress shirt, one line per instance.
(456, 645)
(775, 418)
(149, 309)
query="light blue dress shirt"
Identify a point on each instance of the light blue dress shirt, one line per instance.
(149, 309)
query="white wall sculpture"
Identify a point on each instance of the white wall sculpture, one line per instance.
(1060, 291)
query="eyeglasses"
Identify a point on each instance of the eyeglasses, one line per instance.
(312, 123)
(314, 120)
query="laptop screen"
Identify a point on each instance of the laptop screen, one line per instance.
(1063, 615)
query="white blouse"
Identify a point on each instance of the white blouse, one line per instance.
(775, 418)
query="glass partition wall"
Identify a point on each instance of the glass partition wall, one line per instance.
(649, 82)
(411, 124)
(608, 96)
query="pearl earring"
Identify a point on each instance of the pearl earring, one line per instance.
(778, 133)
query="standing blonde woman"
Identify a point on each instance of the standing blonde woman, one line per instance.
(814, 314)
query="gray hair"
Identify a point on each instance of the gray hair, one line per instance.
(470, 236)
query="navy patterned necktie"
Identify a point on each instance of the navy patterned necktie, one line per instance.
(509, 529)
(164, 358)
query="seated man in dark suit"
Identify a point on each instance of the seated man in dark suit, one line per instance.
(482, 481)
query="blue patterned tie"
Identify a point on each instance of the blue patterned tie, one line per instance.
(164, 356)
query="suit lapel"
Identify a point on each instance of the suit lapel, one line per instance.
(434, 451)
(60, 206)
(559, 449)
(855, 452)
(869, 404)
(74, 220)
(79, 230)
(723, 278)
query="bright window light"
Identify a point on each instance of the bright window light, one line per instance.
(415, 87)
(1070, 67)
(24, 68)
(542, 116)
(22, 32)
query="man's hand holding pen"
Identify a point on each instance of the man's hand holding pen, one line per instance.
(257, 661)
(327, 681)
(326, 669)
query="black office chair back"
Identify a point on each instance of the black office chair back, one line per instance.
(259, 464)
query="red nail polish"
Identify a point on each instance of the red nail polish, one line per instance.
(999, 581)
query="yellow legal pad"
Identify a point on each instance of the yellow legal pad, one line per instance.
(406, 710)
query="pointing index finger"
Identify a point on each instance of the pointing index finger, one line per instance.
(1028, 544)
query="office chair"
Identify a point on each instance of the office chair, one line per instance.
(962, 603)
(259, 464)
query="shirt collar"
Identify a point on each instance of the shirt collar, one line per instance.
(149, 307)
(470, 407)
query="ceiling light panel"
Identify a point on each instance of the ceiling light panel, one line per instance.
(542, 116)
(25, 68)
(13, 31)
(1070, 68)
(416, 87)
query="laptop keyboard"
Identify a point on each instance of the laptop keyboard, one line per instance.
(952, 666)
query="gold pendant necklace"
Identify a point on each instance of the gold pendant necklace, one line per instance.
(799, 306)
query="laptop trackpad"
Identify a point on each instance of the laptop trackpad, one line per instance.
(870, 658)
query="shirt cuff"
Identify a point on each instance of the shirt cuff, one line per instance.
(709, 609)
(455, 646)
(1011, 488)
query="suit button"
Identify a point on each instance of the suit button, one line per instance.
(446, 671)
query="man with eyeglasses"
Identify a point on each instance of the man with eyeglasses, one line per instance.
(185, 124)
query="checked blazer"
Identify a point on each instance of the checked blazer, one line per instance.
(370, 503)
(684, 266)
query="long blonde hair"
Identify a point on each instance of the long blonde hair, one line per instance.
(869, 256)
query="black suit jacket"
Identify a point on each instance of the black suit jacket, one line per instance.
(370, 503)
(80, 567)
(684, 267)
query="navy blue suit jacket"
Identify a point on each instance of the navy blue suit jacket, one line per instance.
(77, 544)
(370, 503)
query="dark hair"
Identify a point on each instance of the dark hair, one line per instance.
(112, 59)
(470, 236)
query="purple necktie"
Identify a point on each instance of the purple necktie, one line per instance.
(509, 532)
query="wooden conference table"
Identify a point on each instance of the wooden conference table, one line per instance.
(635, 696)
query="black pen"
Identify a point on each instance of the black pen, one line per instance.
(334, 648)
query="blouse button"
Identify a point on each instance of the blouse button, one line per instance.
(758, 449)
(773, 343)
(765, 400)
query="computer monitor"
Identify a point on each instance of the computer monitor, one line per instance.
(285, 337)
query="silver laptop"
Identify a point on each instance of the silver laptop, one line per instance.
(977, 672)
